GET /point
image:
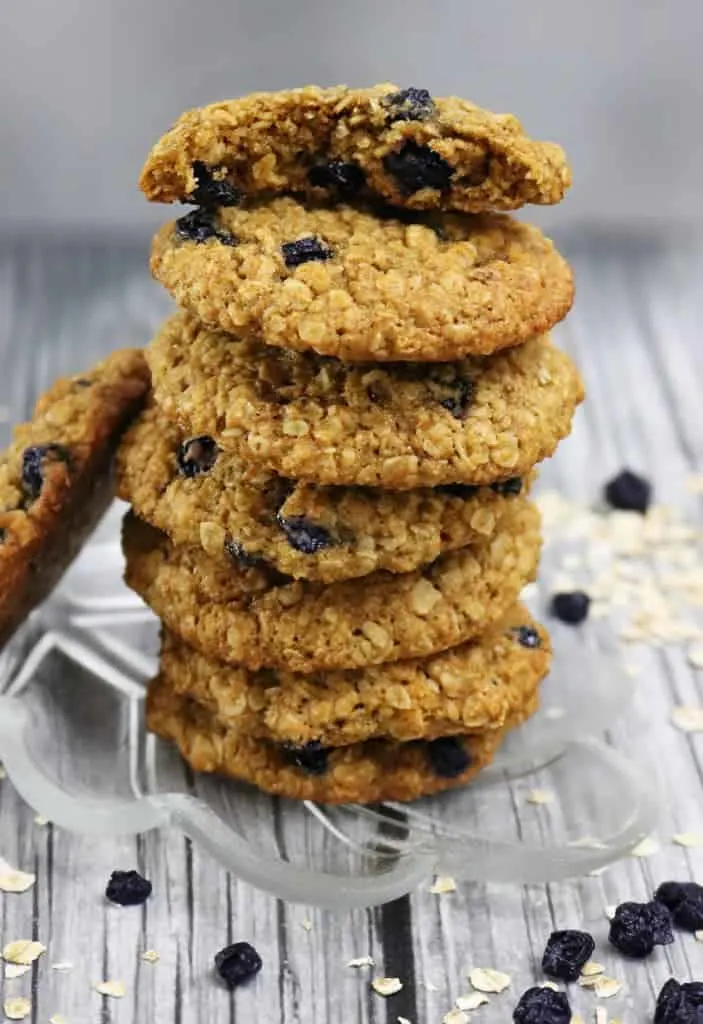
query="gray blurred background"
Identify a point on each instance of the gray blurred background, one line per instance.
(87, 85)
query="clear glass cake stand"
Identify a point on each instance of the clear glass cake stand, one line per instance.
(73, 741)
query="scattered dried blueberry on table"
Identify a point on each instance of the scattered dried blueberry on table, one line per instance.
(414, 167)
(679, 1004)
(128, 888)
(571, 607)
(310, 757)
(344, 176)
(197, 455)
(304, 536)
(212, 191)
(636, 928)
(448, 757)
(34, 460)
(628, 492)
(303, 250)
(409, 105)
(237, 963)
(685, 901)
(542, 1006)
(566, 953)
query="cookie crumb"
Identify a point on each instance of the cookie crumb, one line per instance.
(16, 970)
(443, 884)
(13, 880)
(592, 968)
(688, 839)
(22, 951)
(455, 1016)
(112, 989)
(386, 986)
(362, 961)
(646, 847)
(687, 718)
(539, 796)
(17, 1008)
(486, 979)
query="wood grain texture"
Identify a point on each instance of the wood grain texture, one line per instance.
(636, 334)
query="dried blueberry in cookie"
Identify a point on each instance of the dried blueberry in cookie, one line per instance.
(212, 191)
(197, 455)
(527, 636)
(303, 535)
(409, 105)
(199, 226)
(237, 552)
(310, 757)
(34, 460)
(305, 249)
(511, 486)
(448, 757)
(414, 167)
(458, 490)
(344, 176)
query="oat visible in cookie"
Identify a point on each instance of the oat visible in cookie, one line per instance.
(400, 145)
(245, 616)
(344, 282)
(203, 497)
(398, 426)
(55, 479)
(476, 687)
(360, 773)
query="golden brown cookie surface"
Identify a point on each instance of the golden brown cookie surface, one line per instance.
(397, 426)
(204, 497)
(254, 617)
(55, 478)
(402, 146)
(345, 282)
(475, 687)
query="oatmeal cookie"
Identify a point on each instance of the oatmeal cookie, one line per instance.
(345, 282)
(400, 146)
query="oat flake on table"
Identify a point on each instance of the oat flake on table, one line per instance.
(486, 979)
(17, 1008)
(386, 986)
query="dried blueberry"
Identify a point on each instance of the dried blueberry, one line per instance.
(448, 757)
(458, 490)
(629, 492)
(3, 534)
(311, 757)
(197, 455)
(34, 460)
(693, 990)
(236, 551)
(415, 167)
(237, 963)
(566, 953)
(128, 888)
(199, 226)
(570, 606)
(542, 1006)
(508, 488)
(685, 901)
(636, 928)
(674, 1007)
(457, 403)
(528, 637)
(303, 535)
(211, 191)
(303, 250)
(409, 105)
(347, 178)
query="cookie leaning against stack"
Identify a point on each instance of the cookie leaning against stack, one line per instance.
(329, 485)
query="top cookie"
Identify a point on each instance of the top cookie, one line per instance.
(55, 479)
(400, 145)
(345, 281)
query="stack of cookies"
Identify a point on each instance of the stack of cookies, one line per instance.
(329, 485)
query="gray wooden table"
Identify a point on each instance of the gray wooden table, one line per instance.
(636, 333)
